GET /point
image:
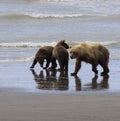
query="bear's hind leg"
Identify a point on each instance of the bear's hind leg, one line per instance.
(105, 69)
(94, 68)
(61, 67)
(66, 66)
(61, 64)
(54, 64)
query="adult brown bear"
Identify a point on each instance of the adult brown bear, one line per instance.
(93, 53)
(61, 54)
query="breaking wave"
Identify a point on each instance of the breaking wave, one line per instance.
(27, 58)
(26, 44)
(40, 44)
(44, 16)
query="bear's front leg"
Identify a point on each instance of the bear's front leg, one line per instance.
(77, 67)
(34, 63)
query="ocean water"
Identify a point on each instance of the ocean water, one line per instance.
(26, 25)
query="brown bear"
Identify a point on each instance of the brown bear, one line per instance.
(93, 53)
(44, 53)
(61, 54)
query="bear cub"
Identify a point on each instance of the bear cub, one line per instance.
(60, 53)
(44, 53)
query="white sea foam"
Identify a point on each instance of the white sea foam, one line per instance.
(40, 44)
(26, 44)
(21, 24)
(54, 15)
(44, 16)
(63, 15)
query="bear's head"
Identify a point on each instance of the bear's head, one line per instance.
(74, 52)
(63, 43)
(73, 55)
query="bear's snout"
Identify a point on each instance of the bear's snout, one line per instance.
(71, 56)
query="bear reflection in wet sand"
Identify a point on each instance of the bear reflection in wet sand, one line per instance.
(94, 85)
(48, 80)
(55, 80)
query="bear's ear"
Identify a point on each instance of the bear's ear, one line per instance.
(62, 41)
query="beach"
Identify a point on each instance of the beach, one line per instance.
(43, 95)
(17, 106)
(20, 77)
(27, 95)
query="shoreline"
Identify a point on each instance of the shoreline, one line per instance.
(41, 81)
(38, 96)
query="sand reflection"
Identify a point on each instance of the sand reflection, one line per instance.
(51, 80)
(55, 80)
(94, 85)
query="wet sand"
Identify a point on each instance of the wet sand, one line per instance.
(17, 106)
(19, 76)
(39, 95)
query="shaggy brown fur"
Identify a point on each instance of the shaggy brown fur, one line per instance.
(93, 53)
(44, 53)
(61, 54)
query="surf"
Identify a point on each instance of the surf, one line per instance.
(44, 43)
(47, 16)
